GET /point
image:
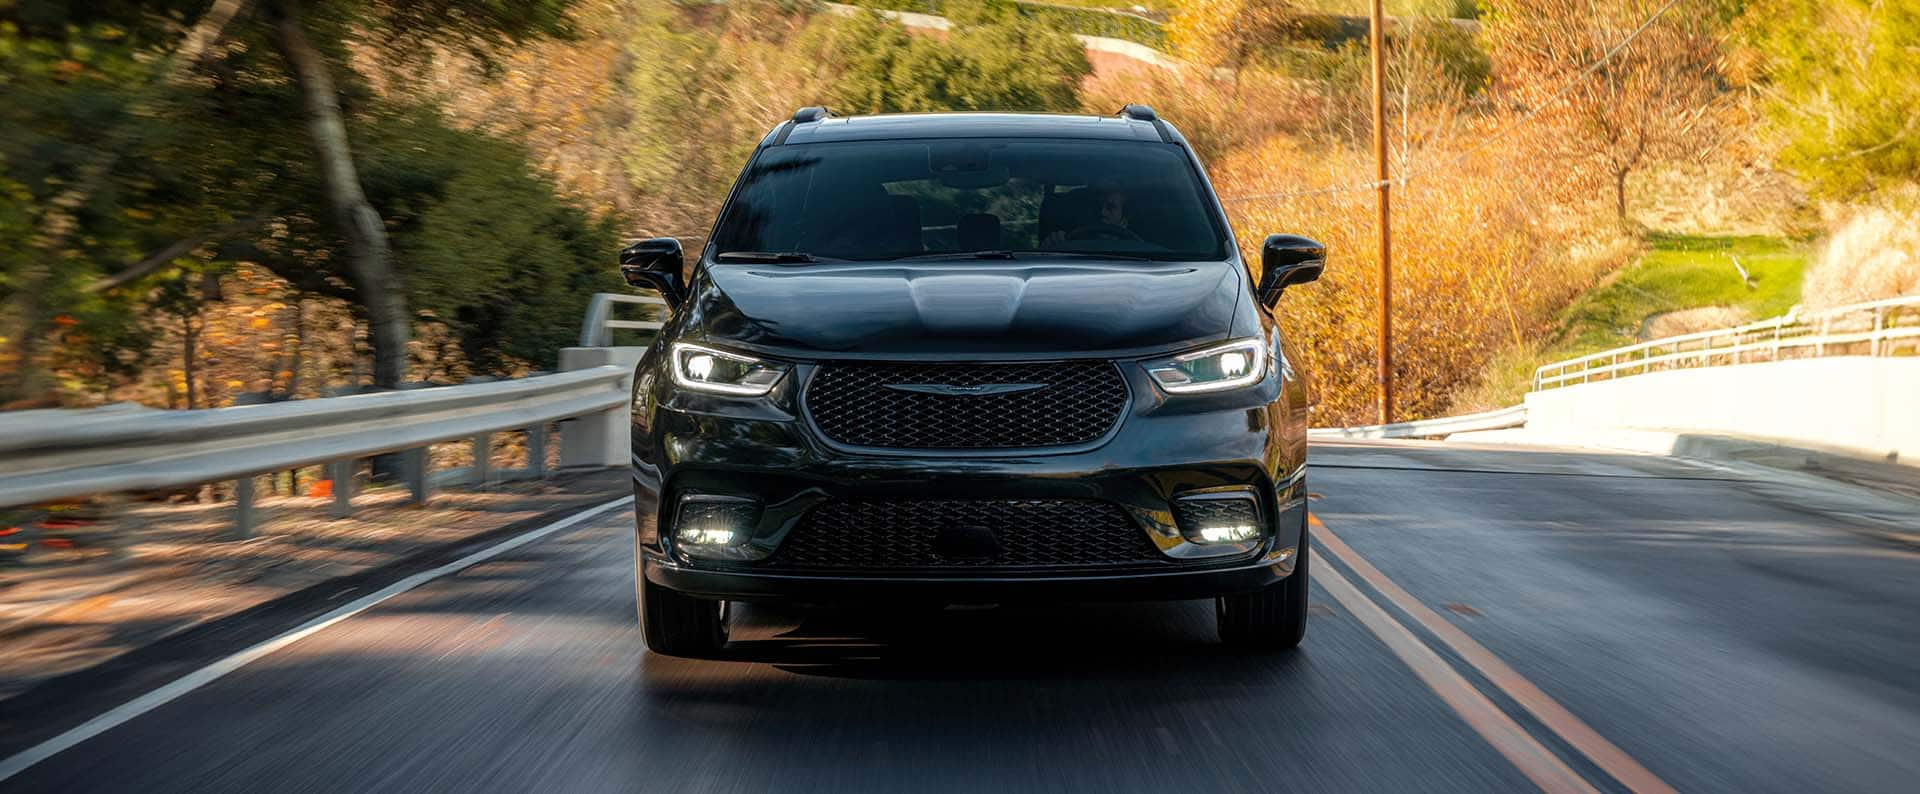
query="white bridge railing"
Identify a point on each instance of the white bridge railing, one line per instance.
(50, 455)
(1880, 328)
(597, 329)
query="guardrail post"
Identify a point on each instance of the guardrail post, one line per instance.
(482, 460)
(243, 512)
(419, 465)
(341, 473)
(537, 451)
(1879, 327)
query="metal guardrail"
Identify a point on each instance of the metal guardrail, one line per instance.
(49, 455)
(1878, 328)
(597, 329)
(1490, 420)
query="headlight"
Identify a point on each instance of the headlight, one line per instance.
(720, 372)
(1229, 366)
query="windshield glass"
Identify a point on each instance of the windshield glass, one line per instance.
(878, 200)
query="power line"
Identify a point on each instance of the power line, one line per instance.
(1485, 142)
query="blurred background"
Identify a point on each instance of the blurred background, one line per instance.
(170, 236)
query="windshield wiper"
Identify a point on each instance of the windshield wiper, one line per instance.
(765, 256)
(961, 255)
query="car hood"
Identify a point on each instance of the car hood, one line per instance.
(970, 308)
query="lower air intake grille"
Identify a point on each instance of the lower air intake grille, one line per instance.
(966, 533)
(967, 406)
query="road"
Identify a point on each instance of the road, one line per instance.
(1483, 621)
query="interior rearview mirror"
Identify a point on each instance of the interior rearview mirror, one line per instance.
(656, 264)
(1286, 260)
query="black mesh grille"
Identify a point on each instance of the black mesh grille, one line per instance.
(1194, 513)
(1074, 403)
(947, 533)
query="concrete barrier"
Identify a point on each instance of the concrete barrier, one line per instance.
(599, 439)
(1866, 406)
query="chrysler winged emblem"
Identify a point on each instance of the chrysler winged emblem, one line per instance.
(954, 390)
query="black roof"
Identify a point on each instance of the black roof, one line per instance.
(973, 125)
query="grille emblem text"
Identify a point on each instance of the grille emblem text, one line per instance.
(953, 390)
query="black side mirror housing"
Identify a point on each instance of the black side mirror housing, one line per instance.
(656, 264)
(1287, 260)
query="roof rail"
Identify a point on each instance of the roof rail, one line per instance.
(1138, 112)
(816, 113)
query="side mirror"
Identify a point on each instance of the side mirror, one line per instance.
(656, 264)
(1286, 260)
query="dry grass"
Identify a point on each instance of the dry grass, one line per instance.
(1213, 114)
(1478, 269)
(1873, 253)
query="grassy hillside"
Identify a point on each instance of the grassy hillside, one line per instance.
(1681, 272)
(1690, 280)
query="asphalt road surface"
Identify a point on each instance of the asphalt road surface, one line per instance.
(1482, 621)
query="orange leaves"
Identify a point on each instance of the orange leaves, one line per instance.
(1474, 270)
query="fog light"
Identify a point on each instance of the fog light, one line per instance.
(706, 536)
(715, 526)
(1220, 517)
(1227, 534)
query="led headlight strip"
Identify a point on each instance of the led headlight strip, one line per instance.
(1233, 365)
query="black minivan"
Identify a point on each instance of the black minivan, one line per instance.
(964, 359)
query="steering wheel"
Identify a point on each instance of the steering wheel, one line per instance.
(1103, 231)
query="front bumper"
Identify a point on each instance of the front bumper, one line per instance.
(878, 587)
(719, 447)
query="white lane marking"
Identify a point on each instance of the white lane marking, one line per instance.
(21, 761)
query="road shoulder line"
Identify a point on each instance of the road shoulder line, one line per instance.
(25, 759)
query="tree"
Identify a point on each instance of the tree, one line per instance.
(487, 248)
(1229, 33)
(991, 59)
(1838, 78)
(143, 135)
(1643, 104)
(368, 253)
(714, 78)
(234, 160)
(47, 250)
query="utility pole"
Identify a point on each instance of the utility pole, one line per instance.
(1376, 36)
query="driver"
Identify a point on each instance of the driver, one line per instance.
(1110, 200)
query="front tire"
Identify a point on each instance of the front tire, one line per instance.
(1274, 619)
(675, 624)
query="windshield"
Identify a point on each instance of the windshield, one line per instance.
(879, 200)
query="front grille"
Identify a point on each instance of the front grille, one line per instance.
(1076, 402)
(879, 534)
